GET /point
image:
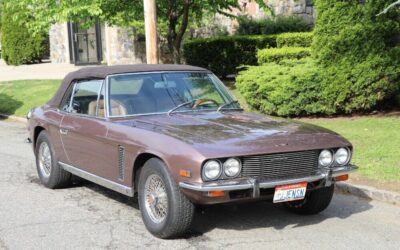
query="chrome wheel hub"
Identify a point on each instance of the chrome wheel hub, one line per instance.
(44, 159)
(155, 198)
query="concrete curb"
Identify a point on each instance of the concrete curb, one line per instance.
(13, 117)
(368, 192)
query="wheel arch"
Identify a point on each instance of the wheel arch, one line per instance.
(140, 160)
(36, 133)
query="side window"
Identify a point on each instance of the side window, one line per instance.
(100, 107)
(67, 99)
(85, 97)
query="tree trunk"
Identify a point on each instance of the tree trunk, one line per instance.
(175, 38)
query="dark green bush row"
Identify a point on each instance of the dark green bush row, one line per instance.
(295, 39)
(223, 55)
(301, 87)
(267, 26)
(18, 44)
(278, 54)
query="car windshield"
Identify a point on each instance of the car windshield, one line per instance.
(133, 94)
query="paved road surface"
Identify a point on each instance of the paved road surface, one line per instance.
(87, 216)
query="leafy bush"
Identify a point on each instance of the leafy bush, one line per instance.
(295, 39)
(223, 55)
(18, 44)
(356, 51)
(267, 26)
(278, 54)
(355, 65)
(290, 88)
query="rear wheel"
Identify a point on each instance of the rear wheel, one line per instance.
(166, 212)
(316, 201)
(50, 173)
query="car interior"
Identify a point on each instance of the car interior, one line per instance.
(151, 98)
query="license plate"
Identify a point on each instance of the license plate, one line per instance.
(290, 192)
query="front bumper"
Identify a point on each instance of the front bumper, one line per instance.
(256, 184)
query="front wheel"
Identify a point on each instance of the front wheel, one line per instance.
(50, 173)
(166, 212)
(316, 201)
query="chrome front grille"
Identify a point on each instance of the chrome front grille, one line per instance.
(281, 166)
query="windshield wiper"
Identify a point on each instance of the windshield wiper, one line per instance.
(180, 106)
(226, 104)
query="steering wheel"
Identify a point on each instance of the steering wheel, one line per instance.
(203, 101)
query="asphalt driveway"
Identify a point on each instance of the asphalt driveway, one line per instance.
(87, 216)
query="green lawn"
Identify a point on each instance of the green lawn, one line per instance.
(17, 97)
(376, 143)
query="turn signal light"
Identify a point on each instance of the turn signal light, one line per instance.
(342, 177)
(185, 173)
(218, 193)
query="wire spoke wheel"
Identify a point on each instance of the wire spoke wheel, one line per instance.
(45, 159)
(156, 198)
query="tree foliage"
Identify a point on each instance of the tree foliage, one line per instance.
(19, 44)
(173, 15)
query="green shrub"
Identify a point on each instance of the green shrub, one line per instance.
(355, 50)
(223, 55)
(295, 39)
(18, 44)
(290, 88)
(278, 54)
(267, 26)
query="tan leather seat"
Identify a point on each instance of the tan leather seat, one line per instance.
(117, 109)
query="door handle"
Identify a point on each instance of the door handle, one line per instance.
(63, 131)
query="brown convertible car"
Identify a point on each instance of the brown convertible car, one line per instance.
(174, 136)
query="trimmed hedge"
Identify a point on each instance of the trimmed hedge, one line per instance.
(290, 88)
(278, 54)
(268, 26)
(357, 54)
(295, 39)
(223, 55)
(19, 45)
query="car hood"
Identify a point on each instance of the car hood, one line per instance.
(223, 134)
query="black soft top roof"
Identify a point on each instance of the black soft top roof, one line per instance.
(100, 72)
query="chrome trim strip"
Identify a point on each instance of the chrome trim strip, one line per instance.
(214, 186)
(343, 170)
(251, 183)
(271, 184)
(98, 180)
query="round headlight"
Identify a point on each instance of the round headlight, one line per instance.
(325, 158)
(212, 170)
(232, 167)
(342, 156)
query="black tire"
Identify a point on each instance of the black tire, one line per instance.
(56, 177)
(180, 210)
(316, 201)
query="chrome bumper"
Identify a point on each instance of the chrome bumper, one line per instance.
(256, 185)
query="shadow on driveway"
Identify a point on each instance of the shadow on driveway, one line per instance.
(247, 216)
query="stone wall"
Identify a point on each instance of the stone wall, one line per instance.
(302, 8)
(122, 47)
(58, 38)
